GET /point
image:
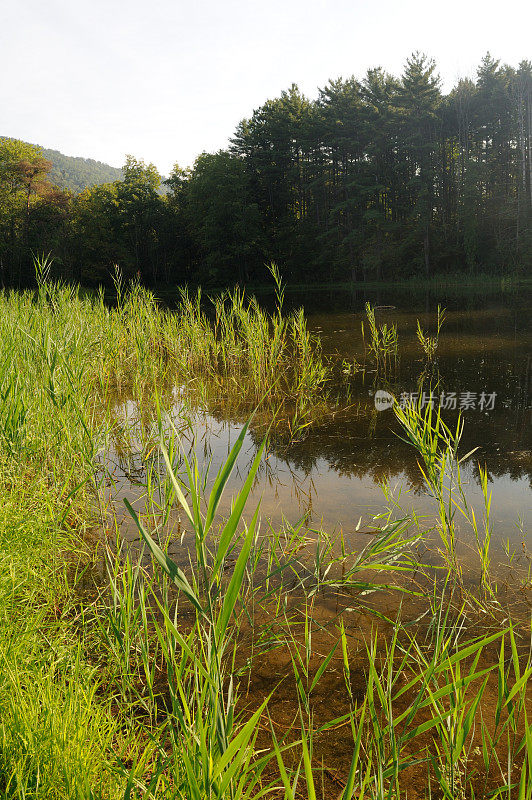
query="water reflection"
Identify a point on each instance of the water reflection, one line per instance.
(333, 476)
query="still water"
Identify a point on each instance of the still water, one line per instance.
(333, 476)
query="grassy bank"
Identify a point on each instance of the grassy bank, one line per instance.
(265, 666)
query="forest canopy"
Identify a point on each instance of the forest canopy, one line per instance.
(379, 178)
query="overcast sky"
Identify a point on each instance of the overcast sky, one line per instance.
(166, 79)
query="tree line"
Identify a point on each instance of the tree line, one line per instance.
(375, 179)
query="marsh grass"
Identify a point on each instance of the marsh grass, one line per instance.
(142, 687)
(382, 343)
(428, 343)
(438, 446)
(252, 356)
(428, 690)
(57, 731)
(196, 664)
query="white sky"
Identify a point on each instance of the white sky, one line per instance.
(165, 80)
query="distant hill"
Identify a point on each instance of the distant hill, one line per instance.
(76, 173)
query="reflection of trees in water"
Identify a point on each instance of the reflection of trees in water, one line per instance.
(385, 456)
(345, 445)
(458, 297)
(350, 446)
(362, 443)
(480, 351)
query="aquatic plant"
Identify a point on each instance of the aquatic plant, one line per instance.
(440, 466)
(430, 343)
(137, 685)
(415, 685)
(383, 341)
(247, 353)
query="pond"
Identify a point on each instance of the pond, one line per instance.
(333, 475)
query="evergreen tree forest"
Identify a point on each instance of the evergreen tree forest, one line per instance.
(383, 178)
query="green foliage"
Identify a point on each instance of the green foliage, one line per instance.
(74, 174)
(378, 178)
(248, 355)
(136, 687)
(383, 342)
(222, 218)
(430, 343)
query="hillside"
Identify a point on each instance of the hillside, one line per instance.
(76, 173)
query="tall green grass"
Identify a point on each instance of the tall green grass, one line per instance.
(59, 737)
(438, 447)
(382, 343)
(432, 690)
(428, 343)
(139, 683)
(246, 355)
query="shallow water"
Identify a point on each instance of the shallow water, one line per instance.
(333, 476)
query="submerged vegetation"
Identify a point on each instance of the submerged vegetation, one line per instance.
(260, 664)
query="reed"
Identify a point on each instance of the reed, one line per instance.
(438, 447)
(383, 342)
(246, 352)
(135, 686)
(416, 685)
(430, 343)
